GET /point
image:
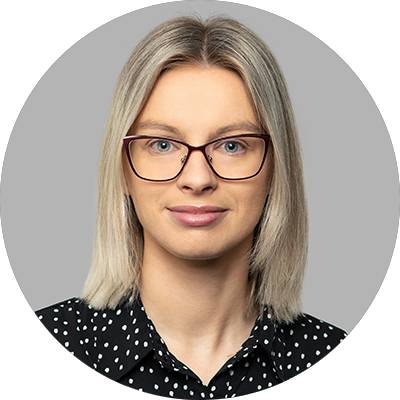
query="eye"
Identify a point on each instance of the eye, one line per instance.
(166, 144)
(231, 145)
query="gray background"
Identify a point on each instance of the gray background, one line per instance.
(48, 185)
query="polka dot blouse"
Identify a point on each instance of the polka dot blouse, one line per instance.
(124, 345)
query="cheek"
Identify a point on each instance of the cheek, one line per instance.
(146, 200)
(252, 200)
(250, 205)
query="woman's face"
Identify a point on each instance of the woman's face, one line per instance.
(197, 101)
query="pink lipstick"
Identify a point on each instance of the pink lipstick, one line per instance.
(197, 215)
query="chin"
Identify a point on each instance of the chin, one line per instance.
(195, 253)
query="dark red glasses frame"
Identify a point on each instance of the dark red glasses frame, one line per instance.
(127, 139)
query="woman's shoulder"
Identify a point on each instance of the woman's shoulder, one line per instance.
(303, 342)
(67, 310)
(74, 314)
(93, 335)
(309, 326)
(70, 322)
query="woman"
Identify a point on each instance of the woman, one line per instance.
(201, 236)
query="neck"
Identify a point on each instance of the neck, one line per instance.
(198, 303)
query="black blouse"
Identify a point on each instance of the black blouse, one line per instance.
(124, 345)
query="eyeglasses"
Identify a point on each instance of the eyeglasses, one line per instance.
(158, 158)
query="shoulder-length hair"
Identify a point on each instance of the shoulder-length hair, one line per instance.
(278, 255)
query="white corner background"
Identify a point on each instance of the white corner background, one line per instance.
(35, 34)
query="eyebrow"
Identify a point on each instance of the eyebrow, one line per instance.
(243, 125)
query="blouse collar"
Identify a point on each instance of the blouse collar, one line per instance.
(125, 343)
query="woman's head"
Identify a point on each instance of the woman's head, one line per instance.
(197, 100)
(197, 77)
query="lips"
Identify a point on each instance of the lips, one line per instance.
(197, 215)
(196, 209)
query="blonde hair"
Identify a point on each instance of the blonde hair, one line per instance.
(278, 256)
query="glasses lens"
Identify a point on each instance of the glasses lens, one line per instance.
(157, 158)
(238, 157)
(160, 159)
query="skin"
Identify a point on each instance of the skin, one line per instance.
(200, 272)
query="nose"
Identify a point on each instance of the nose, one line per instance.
(196, 173)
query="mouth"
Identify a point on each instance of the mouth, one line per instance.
(197, 219)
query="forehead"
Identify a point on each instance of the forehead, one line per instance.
(205, 97)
